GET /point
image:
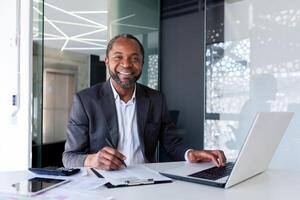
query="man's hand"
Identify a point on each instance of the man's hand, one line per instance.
(106, 159)
(216, 156)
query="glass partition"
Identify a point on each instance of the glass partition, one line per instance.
(70, 39)
(252, 65)
(37, 82)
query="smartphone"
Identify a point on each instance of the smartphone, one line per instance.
(37, 185)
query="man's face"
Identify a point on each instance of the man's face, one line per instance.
(125, 62)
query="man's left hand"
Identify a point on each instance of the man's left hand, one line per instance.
(215, 156)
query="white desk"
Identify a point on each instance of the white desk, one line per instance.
(272, 184)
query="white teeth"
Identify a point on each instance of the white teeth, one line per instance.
(124, 73)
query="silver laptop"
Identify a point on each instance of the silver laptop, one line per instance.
(254, 157)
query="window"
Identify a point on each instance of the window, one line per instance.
(252, 64)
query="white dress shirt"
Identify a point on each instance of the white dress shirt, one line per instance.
(129, 142)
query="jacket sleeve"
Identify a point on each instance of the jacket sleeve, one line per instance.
(77, 140)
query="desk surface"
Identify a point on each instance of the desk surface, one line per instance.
(272, 184)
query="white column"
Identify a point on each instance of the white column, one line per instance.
(15, 115)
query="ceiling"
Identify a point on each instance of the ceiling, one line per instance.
(84, 26)
(79, 26)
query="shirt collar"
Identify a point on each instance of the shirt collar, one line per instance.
(117, 96)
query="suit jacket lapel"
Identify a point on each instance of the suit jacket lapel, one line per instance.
(108, 106)
(107, 102)
(142, 103)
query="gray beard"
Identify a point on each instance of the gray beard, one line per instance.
(126, 85)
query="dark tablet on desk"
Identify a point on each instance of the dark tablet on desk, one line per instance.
(37, 185)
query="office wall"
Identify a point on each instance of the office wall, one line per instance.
(182, 52)
(15, 40)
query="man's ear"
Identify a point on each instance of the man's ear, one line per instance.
(106, 61)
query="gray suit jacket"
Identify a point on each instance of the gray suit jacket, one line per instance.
(93, 118)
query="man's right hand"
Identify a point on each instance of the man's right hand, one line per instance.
(105, 159)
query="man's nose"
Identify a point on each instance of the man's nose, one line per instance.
(126, 62)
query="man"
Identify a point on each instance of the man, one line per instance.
(122, 121)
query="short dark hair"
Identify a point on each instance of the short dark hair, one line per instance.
(128, 36)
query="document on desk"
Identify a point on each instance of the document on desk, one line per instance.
(133, 175)
(86, 183)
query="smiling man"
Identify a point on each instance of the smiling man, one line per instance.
(124, 59)
(120, 122)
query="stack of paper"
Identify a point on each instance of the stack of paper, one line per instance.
(133, 175)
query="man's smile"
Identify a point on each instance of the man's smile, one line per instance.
(126, 74)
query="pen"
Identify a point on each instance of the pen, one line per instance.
(111, 145)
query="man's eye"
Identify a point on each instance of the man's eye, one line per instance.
(117, 58)
(135, 59)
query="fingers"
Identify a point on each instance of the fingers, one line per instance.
(110, 158)
(113, 152)
(215, 156)
(211, 157)
(107, 159)
(221, 157)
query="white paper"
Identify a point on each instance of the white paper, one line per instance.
(84, 183)
(132, 172)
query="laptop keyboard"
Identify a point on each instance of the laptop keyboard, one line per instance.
(214, 173)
